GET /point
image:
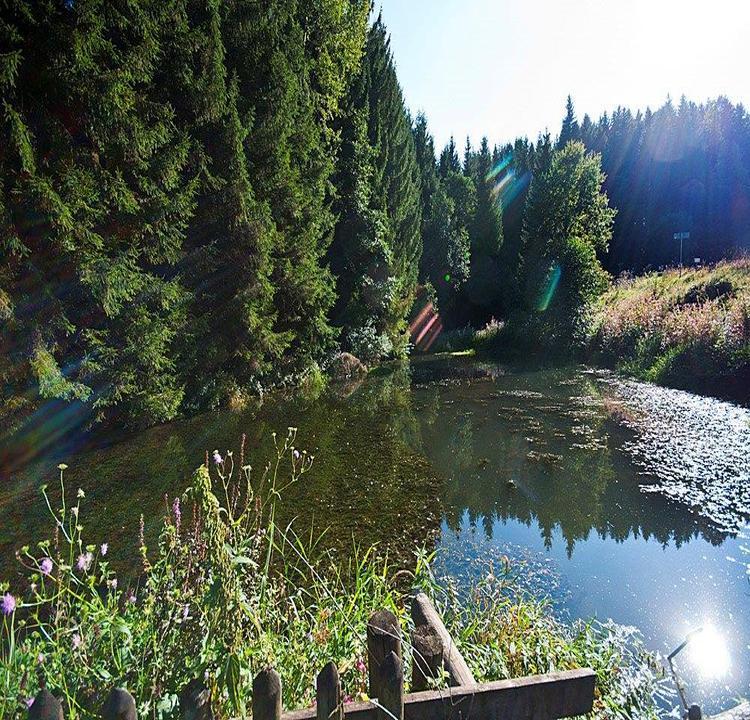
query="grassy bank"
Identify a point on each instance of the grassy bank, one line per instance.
(688, 329)
(226, 591)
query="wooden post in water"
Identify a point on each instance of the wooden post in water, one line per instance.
(267, 695)
(383, 638)
(45, 707)
(391, 698)
(427, 657)
(423, 613)
(328, 703)
(119, 705)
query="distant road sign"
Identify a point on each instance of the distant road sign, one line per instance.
(681, 236)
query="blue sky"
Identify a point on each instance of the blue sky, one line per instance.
(504, 67)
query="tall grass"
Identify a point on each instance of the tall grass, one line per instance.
(679, 327)
(227, 591)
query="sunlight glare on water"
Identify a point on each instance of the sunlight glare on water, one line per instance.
(708, 653)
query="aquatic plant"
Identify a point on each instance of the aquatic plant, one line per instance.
(227, 591)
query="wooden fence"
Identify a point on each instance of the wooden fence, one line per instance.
(539, 697)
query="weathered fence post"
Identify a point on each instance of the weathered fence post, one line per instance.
(427, 657)
(383, 638)
(391, 698)
(119, 705)
(328, 694)
(45, 707)
(267, 695)
(195, 701)
(423, 613)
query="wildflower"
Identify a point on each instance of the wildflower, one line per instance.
(185, 612)
(295, 452)
(112, 583)
(46, 566)
(32, 587)
(40, 658)
(29, 701)
(361, 667)
(84, 561)
(132, 598)
(8, 604)
(104, 549)
(217, 458)
(75, 641)
(62, 466)
(177, 513)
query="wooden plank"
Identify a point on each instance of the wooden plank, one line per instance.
(383, 638)
(328, 694)
(119, 705)
(537, 697)
(267, 695)
(423, 613)
(741, 712)
(391, 698)
(427, 657)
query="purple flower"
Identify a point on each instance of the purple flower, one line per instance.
(104, 548)
(8, 604)
(217, 458)
(361, 667)
(29, 701)
(46, 566)
(75, 641)
(132, 598)
(84, 561)
(295, 452)
(177, 513)
(112, 584)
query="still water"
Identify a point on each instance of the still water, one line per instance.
(616, 499)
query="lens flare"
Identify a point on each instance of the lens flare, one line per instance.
(550, 288)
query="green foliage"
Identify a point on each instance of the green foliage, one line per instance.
(227, 592)
(378, 244)
(165, 196)
(567, 228)
(688, 328)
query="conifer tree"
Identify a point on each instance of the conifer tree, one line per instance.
(449, 161)
(570, 130)
(388, 245)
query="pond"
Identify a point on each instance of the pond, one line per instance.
(617, 499)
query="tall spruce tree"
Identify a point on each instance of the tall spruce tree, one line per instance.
(97, 194)
(569, 130)
(383, 234)
(445, 255)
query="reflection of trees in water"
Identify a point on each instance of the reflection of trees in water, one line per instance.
(550, 458)
(368, 483)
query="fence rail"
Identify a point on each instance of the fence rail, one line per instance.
(538, 697)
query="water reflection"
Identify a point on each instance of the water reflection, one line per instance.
(544, 466)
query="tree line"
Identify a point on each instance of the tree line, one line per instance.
(199, 200)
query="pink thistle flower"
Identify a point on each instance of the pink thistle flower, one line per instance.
(8, 604)
(177, 513)
(84, 561)
(217, 458)
(46, 566)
